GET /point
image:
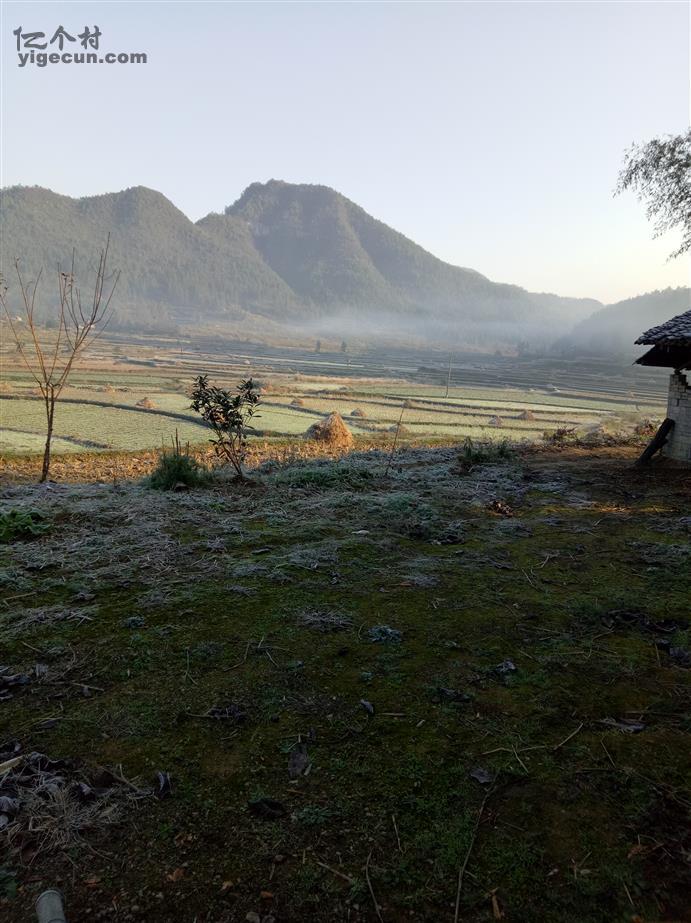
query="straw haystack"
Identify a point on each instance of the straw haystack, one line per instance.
(331, 431)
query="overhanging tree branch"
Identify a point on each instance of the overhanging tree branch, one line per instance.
(660, 174)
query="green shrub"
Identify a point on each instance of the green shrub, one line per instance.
(177, 468)
(485, 453)
(228, 415)
(324, 476)
(563, 435)
(21, 524)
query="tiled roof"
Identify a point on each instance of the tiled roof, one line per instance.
(674, 332)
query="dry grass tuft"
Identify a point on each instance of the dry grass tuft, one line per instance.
(53, 817)
(49, 805)
(47, 615)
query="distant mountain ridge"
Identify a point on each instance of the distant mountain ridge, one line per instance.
(613, 329)
(290, 254)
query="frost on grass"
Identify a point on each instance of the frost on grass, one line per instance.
(41, 616)
(657, 554)
(51, 805)
(419, 571)
(321, 620)
(164, 545)
(325, 476)
(114, 537)
(313, 558)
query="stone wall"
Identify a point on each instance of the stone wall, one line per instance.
(679, 409)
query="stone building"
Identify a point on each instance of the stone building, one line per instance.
(671, 348)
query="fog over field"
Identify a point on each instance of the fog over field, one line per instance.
(291, 261)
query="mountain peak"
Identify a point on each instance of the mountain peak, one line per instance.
(277, 191)
(283, 250)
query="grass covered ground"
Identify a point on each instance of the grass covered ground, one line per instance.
(364, 686)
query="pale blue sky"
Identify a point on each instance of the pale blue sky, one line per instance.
(490, 133)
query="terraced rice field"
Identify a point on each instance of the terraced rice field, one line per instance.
(99, 411)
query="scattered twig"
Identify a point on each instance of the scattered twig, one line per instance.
(628, 894)
(515, 753)
(395, 442)
(229, 736)
(120, 778)
(526, 654)
(395, 827)
(335, 872)
(371, 889)
(464, 864)
(10, 764)
(7, 600)
(86, 686)
(531, 582)
(244, 659)
(614, 766)
(513, 749)
(188, 675)
(271, 658)
(567, 739)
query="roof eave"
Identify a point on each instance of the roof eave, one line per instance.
(670, 356)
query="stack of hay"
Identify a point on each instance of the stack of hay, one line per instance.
(331, 432)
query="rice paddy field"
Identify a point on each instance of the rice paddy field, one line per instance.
(134, 396)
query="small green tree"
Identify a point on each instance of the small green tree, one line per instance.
(228, 415)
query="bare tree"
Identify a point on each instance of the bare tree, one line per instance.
(50, 358)
(660, 173)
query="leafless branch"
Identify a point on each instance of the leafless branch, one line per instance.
(50, 366)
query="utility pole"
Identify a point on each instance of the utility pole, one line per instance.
(448, 377)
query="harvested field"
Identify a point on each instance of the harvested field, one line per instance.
(137, 401)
